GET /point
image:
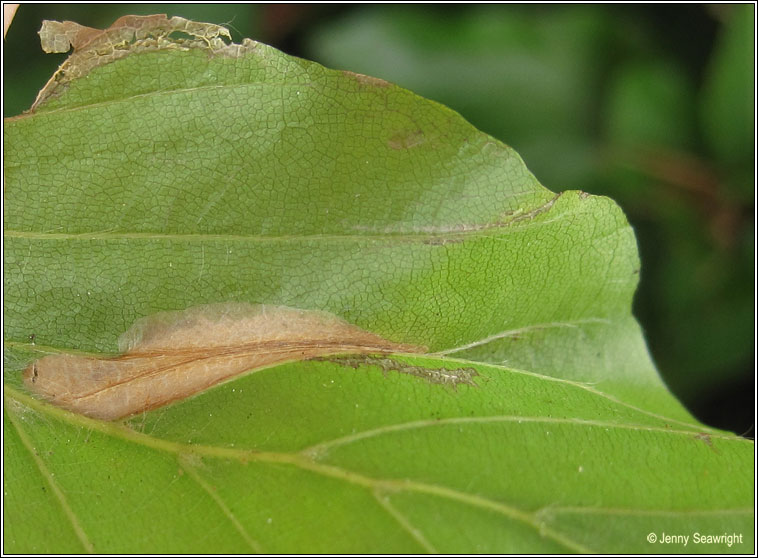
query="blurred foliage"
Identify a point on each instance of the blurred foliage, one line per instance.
(651, 105)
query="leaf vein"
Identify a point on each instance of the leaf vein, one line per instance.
(318, 451)
(195, 475)
(517, 331)
(47, 475)
(403, 521)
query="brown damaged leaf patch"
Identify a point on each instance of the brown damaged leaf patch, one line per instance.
(406, 140)
(367, 80)
(128, 35)
(452, 377)
(173, 355)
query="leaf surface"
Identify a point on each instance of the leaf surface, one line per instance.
(187, 175)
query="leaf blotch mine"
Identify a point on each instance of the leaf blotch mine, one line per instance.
(172, 355)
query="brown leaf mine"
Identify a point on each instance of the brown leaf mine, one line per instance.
(128, 35)
(172, 355)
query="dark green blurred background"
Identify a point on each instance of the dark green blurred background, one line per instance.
(651, 105)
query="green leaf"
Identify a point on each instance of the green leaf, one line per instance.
(192, 174)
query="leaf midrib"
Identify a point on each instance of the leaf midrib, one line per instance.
(693, 428)
(383, 237)
(450, 233)
(119, 430)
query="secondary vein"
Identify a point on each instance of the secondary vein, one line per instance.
(47, 475)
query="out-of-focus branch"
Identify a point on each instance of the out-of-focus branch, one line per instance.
(693, 177)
